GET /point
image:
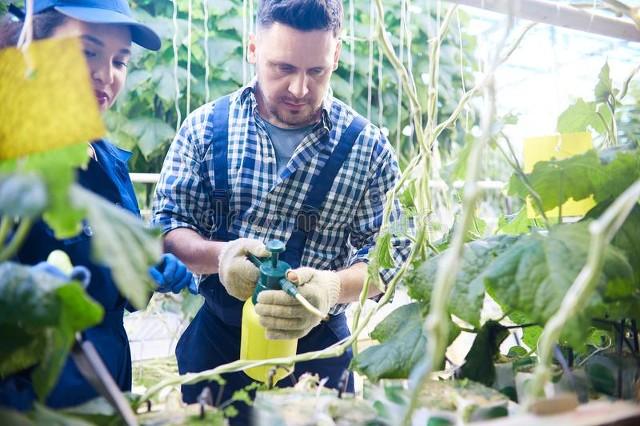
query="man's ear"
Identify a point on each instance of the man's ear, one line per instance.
(336, 57)
(252, 47)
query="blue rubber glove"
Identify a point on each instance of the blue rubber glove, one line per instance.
(78, 273)
(172, 275)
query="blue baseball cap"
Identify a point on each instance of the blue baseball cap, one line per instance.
(103, 12)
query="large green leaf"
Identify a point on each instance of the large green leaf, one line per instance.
(533, 276)
(402, 345)
(123, 243)
(627, 238)
(555, 181)
(468, 291)
(579, 117)
(41, 315)
(621, 168)
(605, 176)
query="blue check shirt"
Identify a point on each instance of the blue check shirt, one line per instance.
(264, 203)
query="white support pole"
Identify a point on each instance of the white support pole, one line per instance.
(560, 15)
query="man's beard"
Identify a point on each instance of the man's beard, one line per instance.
(294, 120)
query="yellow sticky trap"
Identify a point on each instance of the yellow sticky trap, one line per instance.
(557, 147)
(54, 106)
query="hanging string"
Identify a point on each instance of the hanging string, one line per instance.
(408, 39)
(380, 102)
(372, 15)
(205, 10)
(26, 37)
(252, 30)
(189, 18)
(175, 64)
(244, 41)
(403, 30)
(464, 86)
(352, 49)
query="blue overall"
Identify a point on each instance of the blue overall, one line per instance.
(213, 337)
(108, 177)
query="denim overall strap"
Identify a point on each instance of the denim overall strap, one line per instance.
(220, 168)
(321, 183)
(216, 298)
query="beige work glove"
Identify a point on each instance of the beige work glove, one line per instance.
(237, 274)
(284, 317)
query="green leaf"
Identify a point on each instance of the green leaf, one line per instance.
(620, 169)
(627, 239)
(533, 276)
(460, 163)
(578, 117)
(604, 87)
(220, 7)
(221, 49)
(150, 132)
(479, 362)
(468, 292)
(556, 181)
(42, 415)
(58, 343)
(383, 251)
(605, 176)
(122, 243)
(41, 315)
(402, 345)
(57, 169)
(22, 195)
(407, 197)
(136, 78)
(519, 224)
(28, 296)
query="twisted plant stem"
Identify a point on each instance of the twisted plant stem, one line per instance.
(11, 249)
(437, 322)
(602, 230)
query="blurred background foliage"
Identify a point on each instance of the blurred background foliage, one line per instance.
(145, 118)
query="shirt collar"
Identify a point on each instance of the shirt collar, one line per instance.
(248, 94)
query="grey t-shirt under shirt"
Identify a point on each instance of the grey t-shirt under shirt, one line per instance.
(285, 141)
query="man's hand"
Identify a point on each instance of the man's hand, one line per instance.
(237, 274)
(284, 317)
(172, 275)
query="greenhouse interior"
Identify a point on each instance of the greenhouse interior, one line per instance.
(320, 212)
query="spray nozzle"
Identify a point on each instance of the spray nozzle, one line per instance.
(273, 275)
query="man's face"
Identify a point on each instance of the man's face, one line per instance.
(293, 69)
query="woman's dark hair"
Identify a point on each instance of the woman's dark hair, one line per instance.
(303, 15)
(43, 26)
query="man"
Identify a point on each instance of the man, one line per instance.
(278, 159)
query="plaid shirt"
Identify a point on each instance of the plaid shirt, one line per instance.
(263, 203)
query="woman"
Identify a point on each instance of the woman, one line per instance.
(107, 30)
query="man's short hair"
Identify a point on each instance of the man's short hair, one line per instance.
(303, 15)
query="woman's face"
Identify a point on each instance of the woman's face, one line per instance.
(107, 49)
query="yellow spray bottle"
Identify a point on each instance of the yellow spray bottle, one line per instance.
(254, 344)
